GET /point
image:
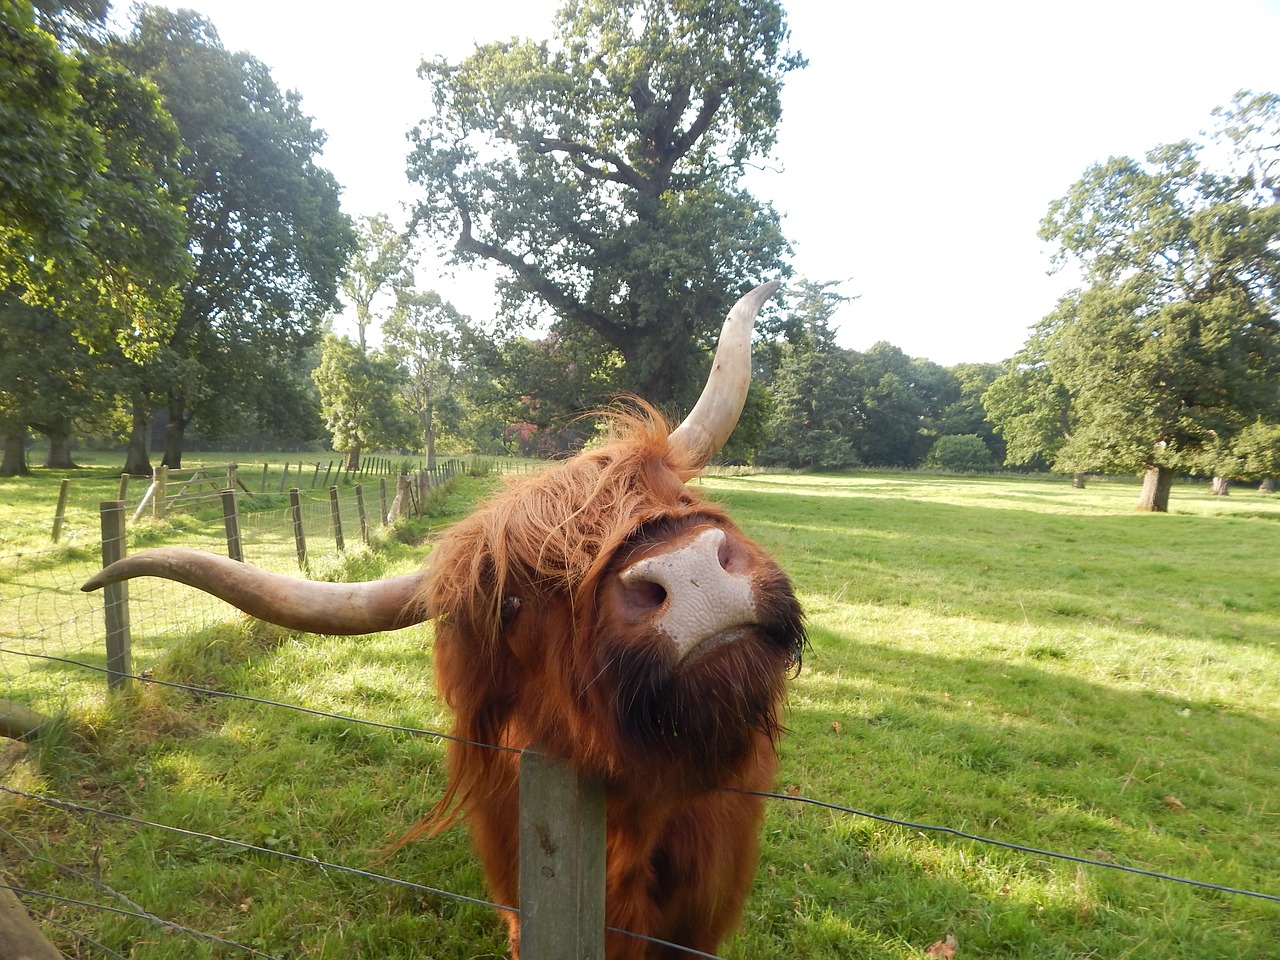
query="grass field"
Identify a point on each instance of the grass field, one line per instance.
(1003, 656)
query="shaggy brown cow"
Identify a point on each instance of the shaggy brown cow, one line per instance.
(605, 612)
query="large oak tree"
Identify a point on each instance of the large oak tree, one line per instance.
(601, 172)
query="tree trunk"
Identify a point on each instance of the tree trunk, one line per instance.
(1220, 487)
(353, 456)
(15, 454)
(1156, 484)
(59, 457)
(175, 430)
(137, 458)
(1077, 481)
(1268, 485)
(429, 436)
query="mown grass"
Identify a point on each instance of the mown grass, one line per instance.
(1003, 656)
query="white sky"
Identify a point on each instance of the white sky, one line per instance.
(917, 153)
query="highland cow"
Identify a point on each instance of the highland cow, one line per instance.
(605, 612)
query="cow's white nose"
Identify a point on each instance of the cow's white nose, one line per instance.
(696, 591)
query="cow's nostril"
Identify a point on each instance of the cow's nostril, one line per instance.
(645, 594)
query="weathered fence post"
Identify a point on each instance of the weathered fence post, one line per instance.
(401, 503)
(562, 855)
(263, 485)
(285, 479)
(124, 487)
(18, 721)
(315, 475)
(115, 598)
(335, 517)
(20, 936)
(63, 489)
(364, 517)
(382, 500)
(159, 477)
(231, 518)
(299, 535)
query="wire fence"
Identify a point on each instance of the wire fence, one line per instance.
(52, 658)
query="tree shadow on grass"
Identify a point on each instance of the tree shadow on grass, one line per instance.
(1008, 749)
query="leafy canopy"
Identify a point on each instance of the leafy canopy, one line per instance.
(1173, 347)
(91, 192)
(601, 172)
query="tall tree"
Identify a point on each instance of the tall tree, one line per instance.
(966, 415)
(814, 396)
(360, 398)
(266, 235)
(381, 263)
(426, 336)
(903, 399)
(1173, 348)
(601, 172)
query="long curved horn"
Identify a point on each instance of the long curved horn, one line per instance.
(708, 425)
(341, 609)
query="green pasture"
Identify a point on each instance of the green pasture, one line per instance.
(1003, 656)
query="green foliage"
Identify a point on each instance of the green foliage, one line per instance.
(965, 452)
(429, 339)
(91, 216)
(382, 262)
(360, 397)
(1173, 348)
(602, 172)
(814, 401)
(267, 237)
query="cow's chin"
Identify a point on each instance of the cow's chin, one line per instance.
(703, 712)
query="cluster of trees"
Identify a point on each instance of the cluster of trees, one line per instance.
(167, 240)
(169, 244)
(1167, 361)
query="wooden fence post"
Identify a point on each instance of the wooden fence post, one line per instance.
(20, 936)
(335, 517)
(263, 485)
(124, 487)
(63, 489)
(400, 506)
(231, 518)
(160, 476)
(360, 511)
(299, 535)
(562, 857)
(115, 598)
(285, 479)
(382, 500)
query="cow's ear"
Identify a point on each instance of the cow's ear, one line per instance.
(510, 609)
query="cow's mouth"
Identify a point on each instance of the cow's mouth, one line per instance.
(704, 648)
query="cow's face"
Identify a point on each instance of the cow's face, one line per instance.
(695, 631)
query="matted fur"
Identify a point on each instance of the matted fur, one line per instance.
(529, 652)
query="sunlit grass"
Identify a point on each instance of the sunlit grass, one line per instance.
(1005, 656)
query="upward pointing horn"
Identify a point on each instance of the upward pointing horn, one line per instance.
(708, 425)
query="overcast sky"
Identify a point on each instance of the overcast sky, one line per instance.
(917, 153)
